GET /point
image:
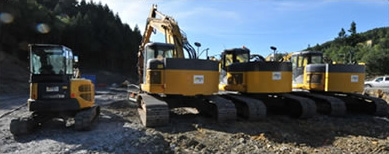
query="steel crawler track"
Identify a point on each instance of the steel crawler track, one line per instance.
(256, 106)
(153, 112)
(357, 103)
(307, 107)
(326, 104)
(249, 108)
(222, 109)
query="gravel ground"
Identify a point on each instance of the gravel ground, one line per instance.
(119, 131)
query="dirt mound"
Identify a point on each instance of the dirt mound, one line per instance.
(14, 74)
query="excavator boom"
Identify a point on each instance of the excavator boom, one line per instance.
(173, 35)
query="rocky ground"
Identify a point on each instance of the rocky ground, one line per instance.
(119, 131)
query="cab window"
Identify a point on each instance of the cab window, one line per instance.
(305, 61)
(316, 59)
(300, 61)
(242, 58)
(158, 53)
(378, 79)
(228, 59)
(294, 61)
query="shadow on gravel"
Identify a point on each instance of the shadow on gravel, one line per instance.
(9, 102)
(315, 132)
(113, 133)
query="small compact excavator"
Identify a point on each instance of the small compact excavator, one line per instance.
(169, 79)
(56, 91)
(261, 85)
(336, 88)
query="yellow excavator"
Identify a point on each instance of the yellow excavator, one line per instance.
(337, 86)
(261, 85)
(169, 79)
(56, 91)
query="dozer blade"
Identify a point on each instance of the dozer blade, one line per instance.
(153, 112)
(249, 108)
(84, 119)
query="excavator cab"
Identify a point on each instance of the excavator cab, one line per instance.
(256, 86)
(178, 76)
(238, 73)
(53, 87)
(56, 91)
(335, 88)
(229, 57)
(300, 61)
(234, 56)
(311, 73)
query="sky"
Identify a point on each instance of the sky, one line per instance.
(289, 25)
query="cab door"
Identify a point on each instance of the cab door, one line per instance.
(385, 82)
(378, 82)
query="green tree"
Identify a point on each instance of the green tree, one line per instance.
(342, 33)
(92, 30)
(353, 28)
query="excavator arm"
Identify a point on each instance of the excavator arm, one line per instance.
(173, 35)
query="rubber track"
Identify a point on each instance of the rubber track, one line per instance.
(308, 107)
(85, 118)
(249, 108)
(153, 112)
(23, 126)
(225, 109)
(336, 105)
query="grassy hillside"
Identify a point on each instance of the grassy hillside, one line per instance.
(370, 47)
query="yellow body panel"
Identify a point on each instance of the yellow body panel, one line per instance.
(262, 82)
(298, 86)
(184, 82)
(33, 90)
(312, 86)
(343, 82)
(83, 91)
(336, 82)
(232, 85)
(153, 88)
(267, 82)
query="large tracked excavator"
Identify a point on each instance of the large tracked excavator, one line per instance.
(169, 79)
(336, 88)
(56, 91)
(261, 85)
